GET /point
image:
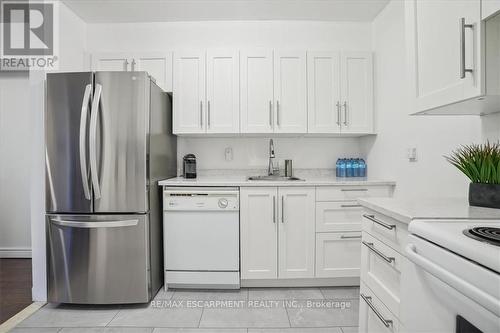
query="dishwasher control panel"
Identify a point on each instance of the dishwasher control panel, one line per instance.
(185, 198)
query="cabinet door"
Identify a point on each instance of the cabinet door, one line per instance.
(374, 317)
(323, 86)
(189, 92)
(256, 69)
(111, 62)
(296, 232)
(223, 95)
(338, 216)
(259, 228)
(357, 92)
(290, 92)
(158, 65)
(338, 254)
(435, 51)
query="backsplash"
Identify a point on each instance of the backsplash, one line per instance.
(253, 153)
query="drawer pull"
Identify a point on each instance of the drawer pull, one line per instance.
(381, 223)
(350, 206)
(377, 252)
(350, 237)
(354, 189)
(368, 300)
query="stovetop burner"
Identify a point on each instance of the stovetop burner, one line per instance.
(484, 234)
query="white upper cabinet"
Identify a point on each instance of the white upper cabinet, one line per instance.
(290, 91)
(112, 62)
(257, 99)
(323, 84)
(223, 96)
(189, 92)
(489, 8)
(357, 92)
(444, 51)
(158, 65)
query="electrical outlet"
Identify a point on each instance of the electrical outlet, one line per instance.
(228, 153)
(412, 154)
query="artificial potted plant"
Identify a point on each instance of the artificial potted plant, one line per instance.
(481, 164)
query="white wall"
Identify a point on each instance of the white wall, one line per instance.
(15, 139)
(491, 127)
(431, 175)
(248, 152)
(72, 34)
(253, 153)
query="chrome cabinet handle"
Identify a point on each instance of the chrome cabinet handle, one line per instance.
(345, 113)
(133, 65)
(353, 189)
(282, 209)
(93, 141)
(208, 114)
(271, 114)
(201, 114)
(350, 237)
(350, 206)
(368, 300)
(381, 223)
(338, 113)
(103, 224)
(83, 131)
(274, 209)
(278, 113)
(462, 25)
(377, 252)
(126, 65)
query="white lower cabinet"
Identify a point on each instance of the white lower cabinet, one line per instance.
(374, 317)
(277, 223)
(296, 232)
(259, 233)
(338, 254)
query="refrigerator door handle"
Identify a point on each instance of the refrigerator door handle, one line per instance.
(104, 224)
(83, 132)
(93, 141)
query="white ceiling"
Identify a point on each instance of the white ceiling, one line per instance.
(102, 11)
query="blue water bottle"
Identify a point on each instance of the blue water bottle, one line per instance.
(348, 167)
(355, 167)
(362, 168)
(342, 168)
(337, 168)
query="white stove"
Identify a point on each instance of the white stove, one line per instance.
(452, 280)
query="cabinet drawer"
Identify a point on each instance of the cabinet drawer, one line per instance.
(338, 216)
(343, 193)
(338, 254)
(374, 316)
(385, 228)
(381, 271)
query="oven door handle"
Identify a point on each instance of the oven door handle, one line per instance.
(469, 290)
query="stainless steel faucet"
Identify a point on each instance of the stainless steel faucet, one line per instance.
(271, 169)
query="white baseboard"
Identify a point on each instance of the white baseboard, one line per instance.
(15, 252)
(311, 282)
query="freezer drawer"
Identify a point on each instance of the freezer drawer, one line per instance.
(98, 259)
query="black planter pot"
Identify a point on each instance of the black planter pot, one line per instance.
(484, 195)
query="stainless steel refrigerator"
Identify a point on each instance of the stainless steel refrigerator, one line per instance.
(108, 141)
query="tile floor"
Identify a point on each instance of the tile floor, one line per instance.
(252, 310)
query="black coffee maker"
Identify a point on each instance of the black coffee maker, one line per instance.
(189, 166)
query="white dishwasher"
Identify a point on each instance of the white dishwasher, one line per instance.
(201, 232)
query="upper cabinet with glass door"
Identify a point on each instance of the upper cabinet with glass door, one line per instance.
(450, 50)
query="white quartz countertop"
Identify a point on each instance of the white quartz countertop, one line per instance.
(406, 210)
(243, 181)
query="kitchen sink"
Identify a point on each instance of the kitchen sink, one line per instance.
(275, 178)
